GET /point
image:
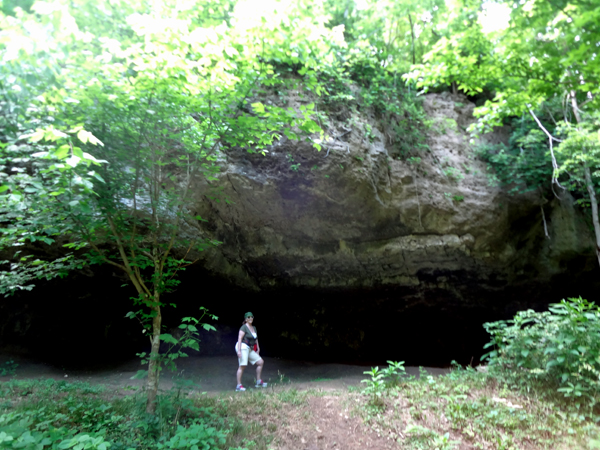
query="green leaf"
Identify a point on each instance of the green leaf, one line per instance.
(168, 338)
(37, 136)
(68, 443)
(258, 107)
(62, 152)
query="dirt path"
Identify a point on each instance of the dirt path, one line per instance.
(213, 374)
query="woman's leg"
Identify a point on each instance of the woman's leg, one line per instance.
(240, 372)
(259, 367)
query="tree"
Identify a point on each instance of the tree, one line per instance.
(396, 34)
(546, 53)
(155, 93)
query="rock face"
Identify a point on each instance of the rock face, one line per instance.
(345, 254)
(353, 216)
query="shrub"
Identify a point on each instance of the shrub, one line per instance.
(197, 436)
(559, 347)
(20, 430)
(382, 380)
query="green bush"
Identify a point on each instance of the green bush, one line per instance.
(24, 431)
(559, 347)
(196, 437)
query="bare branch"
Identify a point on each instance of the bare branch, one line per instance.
(137, 282)
(550, 139)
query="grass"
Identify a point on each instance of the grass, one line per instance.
(64, 410)
(464, 409)
(469, 409)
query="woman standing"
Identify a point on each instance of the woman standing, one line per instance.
(247, 349)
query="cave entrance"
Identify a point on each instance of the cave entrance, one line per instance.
(81, 320)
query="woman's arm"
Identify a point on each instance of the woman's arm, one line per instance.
(241, 335)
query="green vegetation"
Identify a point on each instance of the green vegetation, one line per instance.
(164, 89)
(557, 349)
(469, 407)
(466, 406)
(540, 389)
(110, 112)
(453, 174)
(59, 414)
(8, 368)
(540, 73)
(442, 126)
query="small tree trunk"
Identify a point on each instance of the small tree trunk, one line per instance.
(412, 39)
(154, 363)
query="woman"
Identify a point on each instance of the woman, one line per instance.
(247, 349)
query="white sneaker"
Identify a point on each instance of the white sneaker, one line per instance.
(260, 384)
(239, 388)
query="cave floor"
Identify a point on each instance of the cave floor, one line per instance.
(211, 374)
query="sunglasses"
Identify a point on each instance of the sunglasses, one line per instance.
(250, 317)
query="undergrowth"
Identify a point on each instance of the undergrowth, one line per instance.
(466, 408)
(556, 350)
(49, 414)
(540, 389)
(476, 409)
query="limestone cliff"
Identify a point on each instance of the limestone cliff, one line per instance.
(354, 216)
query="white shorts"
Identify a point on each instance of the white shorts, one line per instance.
(248, 355)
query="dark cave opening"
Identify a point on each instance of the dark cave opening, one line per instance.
(80, 321)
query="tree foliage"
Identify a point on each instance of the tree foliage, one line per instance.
(542, 67)
(112, 110)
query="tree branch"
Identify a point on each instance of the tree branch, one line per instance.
(550, 139)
